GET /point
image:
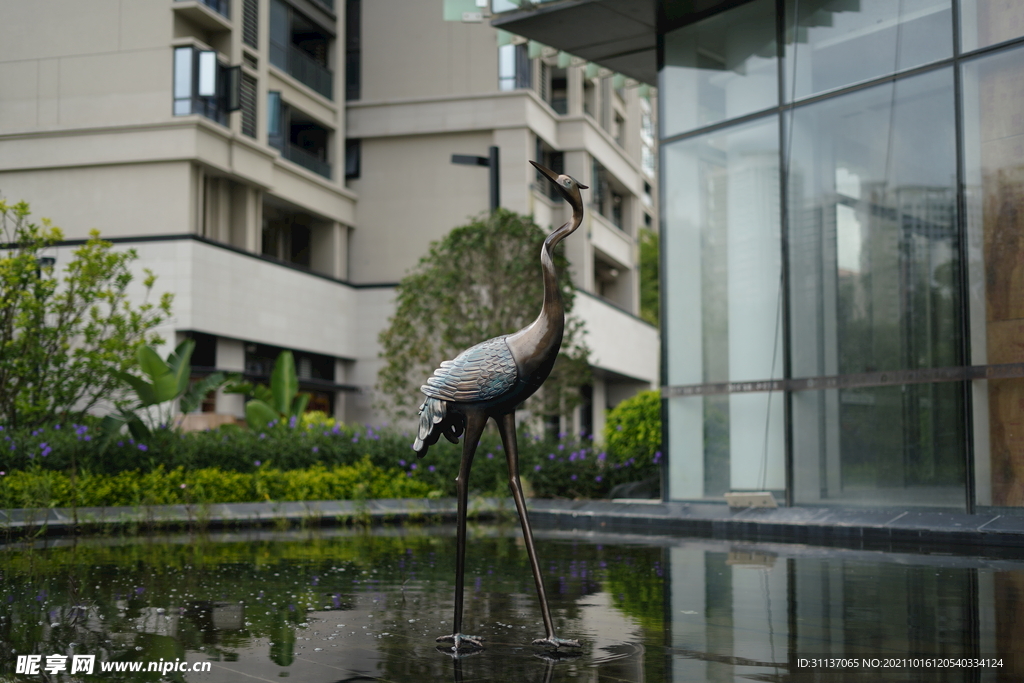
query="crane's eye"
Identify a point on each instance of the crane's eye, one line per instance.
(567, 182)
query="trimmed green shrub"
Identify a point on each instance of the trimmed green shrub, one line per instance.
(39, 487)
(569, 467)
(632, 432)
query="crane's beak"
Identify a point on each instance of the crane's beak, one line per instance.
(551, 175)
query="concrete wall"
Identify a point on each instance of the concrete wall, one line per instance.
(411, 194)
(107, 66)
(409, 51)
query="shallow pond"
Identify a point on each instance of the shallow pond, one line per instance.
(365, 605)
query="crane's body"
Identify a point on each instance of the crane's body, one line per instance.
(488, 381)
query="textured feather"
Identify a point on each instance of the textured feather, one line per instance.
(435, 421)
(479, 373)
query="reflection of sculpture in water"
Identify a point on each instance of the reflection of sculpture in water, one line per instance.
(490, 380)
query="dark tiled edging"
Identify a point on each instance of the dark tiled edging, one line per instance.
(856, 528)
(66, 520)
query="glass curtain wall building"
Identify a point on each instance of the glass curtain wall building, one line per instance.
(843, 246)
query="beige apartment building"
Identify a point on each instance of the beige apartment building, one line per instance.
(281, 164)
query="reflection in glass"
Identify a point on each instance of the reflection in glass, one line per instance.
(722, 237)
(834, 43)
(984, 23)
(874, 270)
(720, 68)
(749, 612)
(994, 185)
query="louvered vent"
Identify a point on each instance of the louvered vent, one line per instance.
(248, 101)
(250, 22)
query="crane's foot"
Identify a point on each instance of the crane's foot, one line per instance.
(461, 640)
(556, 643)
(458, 654)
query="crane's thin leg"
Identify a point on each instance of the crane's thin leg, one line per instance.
(475, 422)
(507, 428)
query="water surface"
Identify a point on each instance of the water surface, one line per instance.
(366, 605)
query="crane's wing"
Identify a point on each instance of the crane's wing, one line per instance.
(479, 373)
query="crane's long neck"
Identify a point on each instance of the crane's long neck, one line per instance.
(553, 308)
(535, 347)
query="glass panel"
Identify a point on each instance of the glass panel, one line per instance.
(994, 186)
(507, 67)
(720, 68)
(207, 73)
(984, 23)
(722, 236)
(873, 272)
(834, 43)
(280, 34)
(182, 81)
(274, 114)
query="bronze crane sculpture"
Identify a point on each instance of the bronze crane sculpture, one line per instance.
(490, 380)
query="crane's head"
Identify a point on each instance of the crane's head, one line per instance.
(567, 186)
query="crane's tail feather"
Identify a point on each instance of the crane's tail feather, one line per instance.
(435, 422)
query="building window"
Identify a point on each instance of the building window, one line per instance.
(589, 97)
(221, 7)
(301, 48)
(647, 141)
(552, 159)
(353, 157)
(847, 242)
(559, 91)
(513, 67)
(275, 108)
(722, 239)
(874, 264)
(353, 50)
(203, 86)
(607, 196)
(720, 68)
(989, 23)
(835, 47)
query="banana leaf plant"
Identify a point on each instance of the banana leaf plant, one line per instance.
(277, 404)
(163, 381)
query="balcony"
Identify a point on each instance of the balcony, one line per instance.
(301, 48)
(306, 159)
(299, 137)
(308, 71)
(211, 15)
(222, 7)
(303, 68)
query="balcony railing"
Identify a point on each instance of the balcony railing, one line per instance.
(304, 68)
(306, 160)
(221, 7)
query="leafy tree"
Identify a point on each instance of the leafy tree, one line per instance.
(63, 341)
(650, 288)
(481, 281)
